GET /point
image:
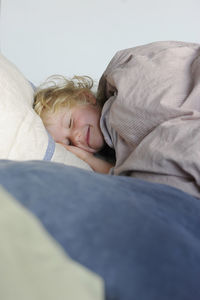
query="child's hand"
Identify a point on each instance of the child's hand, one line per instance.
(82, 154)
(97, 164)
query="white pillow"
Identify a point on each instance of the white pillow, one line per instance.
(22, 133)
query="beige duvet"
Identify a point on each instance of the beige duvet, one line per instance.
(152, 113)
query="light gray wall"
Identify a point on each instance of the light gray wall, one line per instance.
(45, 37)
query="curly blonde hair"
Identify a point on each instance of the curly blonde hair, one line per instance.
(58, 91)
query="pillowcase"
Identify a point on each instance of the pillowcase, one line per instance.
(22, 133)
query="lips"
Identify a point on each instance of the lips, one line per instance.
(88, 136)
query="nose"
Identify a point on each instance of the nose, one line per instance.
(75, 137)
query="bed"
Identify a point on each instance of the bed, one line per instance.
(70, 233)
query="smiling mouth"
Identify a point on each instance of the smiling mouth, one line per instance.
(88, 136)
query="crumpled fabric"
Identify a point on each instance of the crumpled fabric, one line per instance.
(151, 113)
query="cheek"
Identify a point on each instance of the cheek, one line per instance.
(87, 116)
(95, 117)
(53, 132)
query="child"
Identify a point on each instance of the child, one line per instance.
(148, 107)
(71, 114)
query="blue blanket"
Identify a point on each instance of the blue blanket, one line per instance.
(142, 238)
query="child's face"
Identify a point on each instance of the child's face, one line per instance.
(78, 126)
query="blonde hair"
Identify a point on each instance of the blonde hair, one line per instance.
(58, 91)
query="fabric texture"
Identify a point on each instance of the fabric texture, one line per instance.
(151, 114)
(22, 133)
(33, 265)
(142, 238)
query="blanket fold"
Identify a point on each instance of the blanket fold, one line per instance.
(155, 113)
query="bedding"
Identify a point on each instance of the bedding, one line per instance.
(22, 133)
(33, 265)
(152, 113)
(142, 238)
(70, 233)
